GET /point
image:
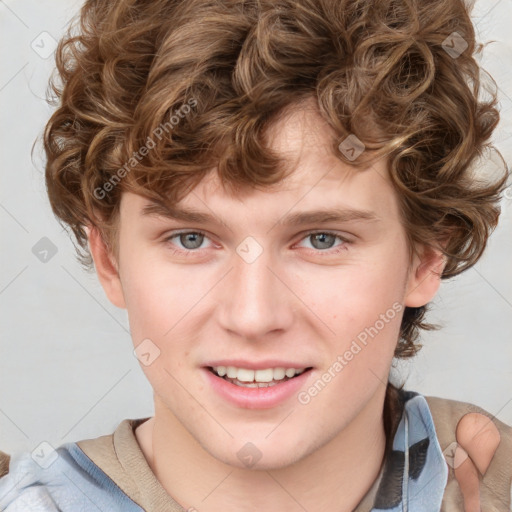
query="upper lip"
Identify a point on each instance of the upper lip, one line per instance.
(256, 365)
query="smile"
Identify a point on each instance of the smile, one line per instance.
(256, 389)
(256, 378)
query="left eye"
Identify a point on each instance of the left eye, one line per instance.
(323, 239)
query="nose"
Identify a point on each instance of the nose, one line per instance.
(256, 299)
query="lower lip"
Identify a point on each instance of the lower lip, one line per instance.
(256, 398)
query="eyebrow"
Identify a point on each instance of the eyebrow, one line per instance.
(294, 219)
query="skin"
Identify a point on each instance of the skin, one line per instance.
(297, 301)
(478, 439)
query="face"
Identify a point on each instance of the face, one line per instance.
(251, 289)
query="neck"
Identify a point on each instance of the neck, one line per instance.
(333, 478)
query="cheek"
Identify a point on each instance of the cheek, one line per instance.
(152, 298)
(159, 311)
(164, 302)
(354, 297)
(361, 305)
(372, 293)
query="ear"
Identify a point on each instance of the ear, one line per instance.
(424, 276)
(106, 267)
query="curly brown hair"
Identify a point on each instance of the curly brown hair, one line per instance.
(153, 95)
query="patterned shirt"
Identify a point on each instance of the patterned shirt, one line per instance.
(110, 473)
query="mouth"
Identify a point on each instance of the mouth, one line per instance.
(263, 378)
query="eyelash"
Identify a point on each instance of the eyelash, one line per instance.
(337, 249)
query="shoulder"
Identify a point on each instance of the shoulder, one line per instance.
(478, 450)
(62, 479)
(4, 463)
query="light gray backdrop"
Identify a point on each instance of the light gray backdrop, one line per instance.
(67, 371)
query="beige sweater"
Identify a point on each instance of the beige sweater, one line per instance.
(120, 457)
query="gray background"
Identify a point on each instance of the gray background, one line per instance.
(67, 371)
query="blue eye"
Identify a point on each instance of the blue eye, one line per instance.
(321, 241)
(190, 240)
(324, 239)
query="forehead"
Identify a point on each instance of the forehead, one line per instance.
(317, 174)
(317, 177)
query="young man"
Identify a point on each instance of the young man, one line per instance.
(274, 190)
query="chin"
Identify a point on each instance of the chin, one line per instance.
(258, 455)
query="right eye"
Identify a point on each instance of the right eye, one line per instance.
(189, 240)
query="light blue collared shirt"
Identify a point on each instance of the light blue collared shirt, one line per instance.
(413, 476)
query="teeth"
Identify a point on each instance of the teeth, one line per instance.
(231, 372)
(257, 376)
(279, 373)
(264, 375)
(244, 375)
(255, 384)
